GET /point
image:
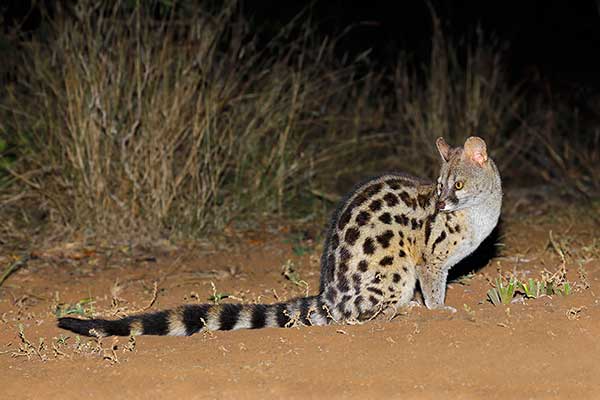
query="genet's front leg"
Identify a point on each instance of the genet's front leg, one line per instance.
(433, 287)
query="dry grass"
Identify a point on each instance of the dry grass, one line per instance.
(463, 90)
(567, 153)
(133, 124)
(121, 122)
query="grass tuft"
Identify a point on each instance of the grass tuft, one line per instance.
(503, 292)
(159, 126)
(460, 92)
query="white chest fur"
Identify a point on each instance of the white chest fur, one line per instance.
(481, 221)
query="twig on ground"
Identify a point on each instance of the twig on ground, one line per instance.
(20, 262)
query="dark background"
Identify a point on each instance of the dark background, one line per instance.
(556, 41)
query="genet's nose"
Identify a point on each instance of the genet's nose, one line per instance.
(441, 204)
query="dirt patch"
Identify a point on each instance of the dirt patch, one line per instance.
(546, 347)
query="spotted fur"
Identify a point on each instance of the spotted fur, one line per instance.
(389, 233)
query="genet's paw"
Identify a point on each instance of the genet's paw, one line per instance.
(442, 307)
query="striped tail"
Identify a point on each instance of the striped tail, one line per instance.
(189, 319)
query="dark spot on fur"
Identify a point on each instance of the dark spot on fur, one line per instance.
(342, 285)
(406, 199)
(344, 254)
(405, 269)
(321, 309)
(391, 199)
(359, 200)
(401, 219)
(330, 267)
(402, 253)
(401, 243)
(384, 238)
(352, 235)
(335, 241)
(331, 294)
(375, 205)
(415, 224)
(409, 201)
(386, 218)
(363, 218)
(373, 189)
(373, 300)
(343, 268)
(344, 219)
(387, 260)
(396, 278)
(357, 301)
(423, 200)
(376, 280)
(428, 224)
(375, 290)
(369, 246)
(457, 228)
(305, 304)
(394, 184)
(439, 240)
(363, 266)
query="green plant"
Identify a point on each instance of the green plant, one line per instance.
(503, 292)
(217, 297)
(564, 290)
(83, 307)
(532, 289)
(290, 273)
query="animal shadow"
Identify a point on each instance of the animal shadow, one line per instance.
(481, 257)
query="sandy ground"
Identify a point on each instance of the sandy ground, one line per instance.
(548, 347)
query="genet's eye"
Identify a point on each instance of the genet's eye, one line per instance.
(458, 185)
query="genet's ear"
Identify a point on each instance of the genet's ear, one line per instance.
(443, 148)
(475, 150)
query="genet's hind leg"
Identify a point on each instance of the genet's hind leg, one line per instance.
(400, 289)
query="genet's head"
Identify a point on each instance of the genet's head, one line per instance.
(467, 174)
